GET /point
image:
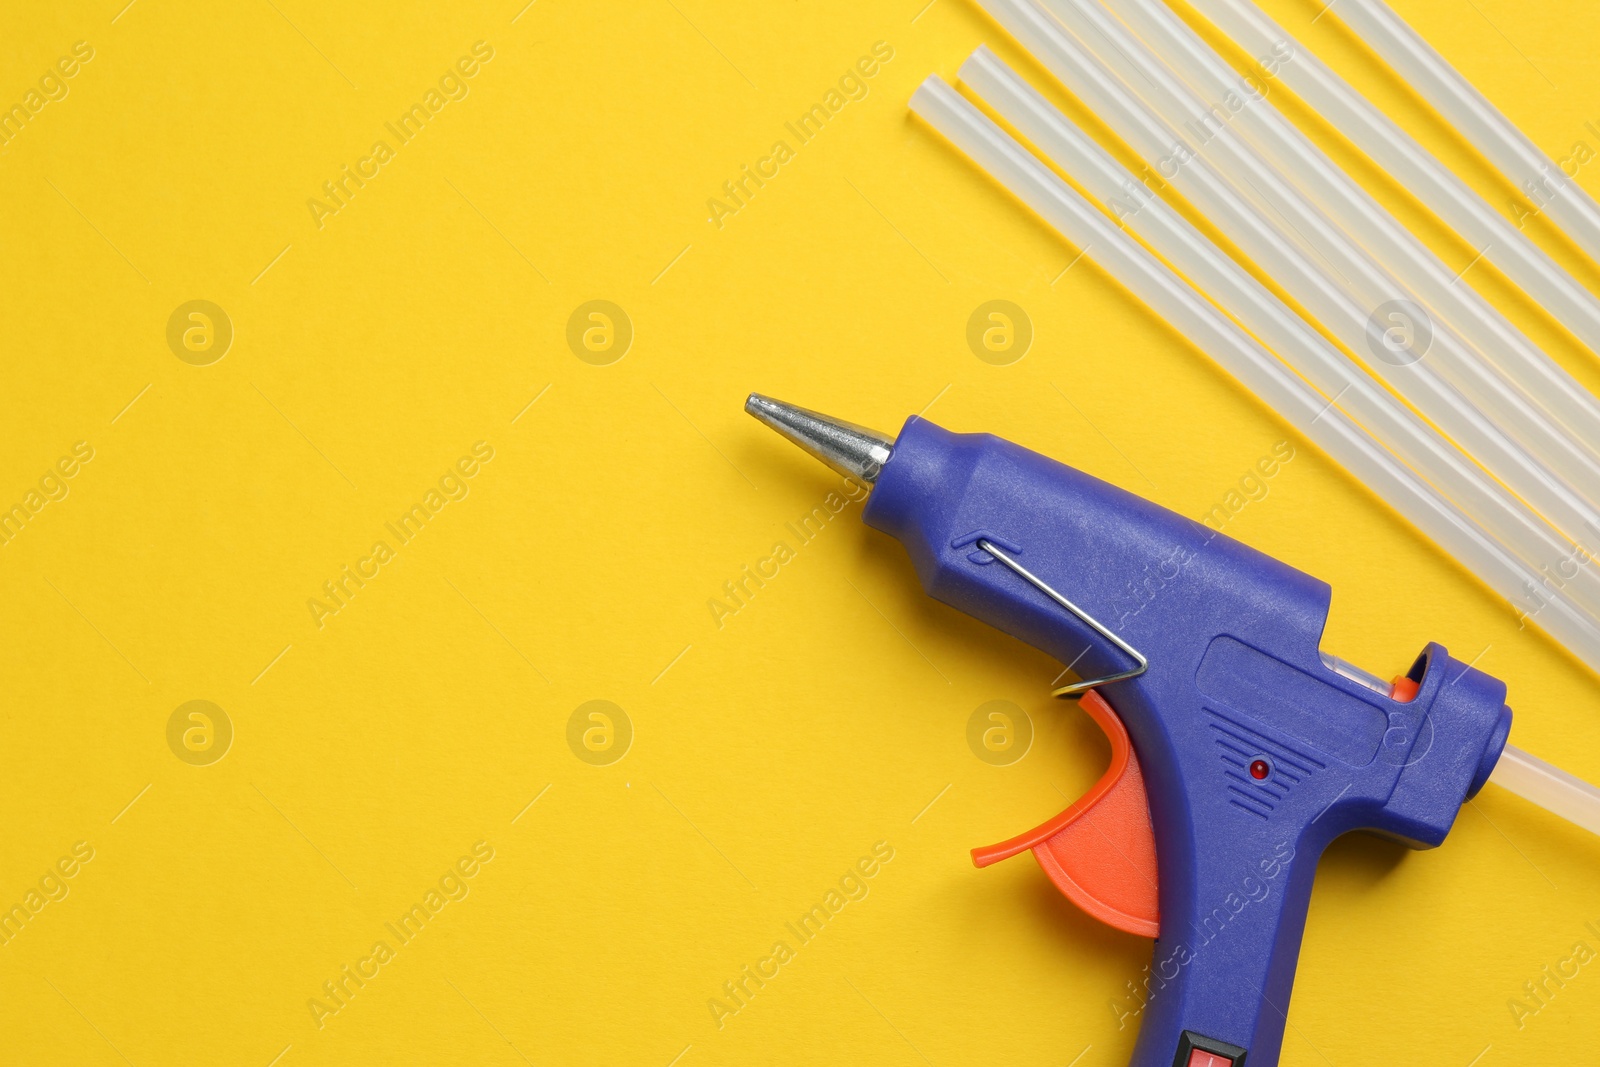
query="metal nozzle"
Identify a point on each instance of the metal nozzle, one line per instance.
(854, 451)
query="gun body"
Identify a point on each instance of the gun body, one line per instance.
(1236, 684)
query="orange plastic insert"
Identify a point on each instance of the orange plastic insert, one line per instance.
(1100, 852)
(1404, 690)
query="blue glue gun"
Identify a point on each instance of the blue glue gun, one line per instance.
(1239, 748)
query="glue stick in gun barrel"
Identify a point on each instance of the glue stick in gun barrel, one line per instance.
(1239, 749)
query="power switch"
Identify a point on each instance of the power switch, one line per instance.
(1197, 1050)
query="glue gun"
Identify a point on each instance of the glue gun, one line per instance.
(1239, 749)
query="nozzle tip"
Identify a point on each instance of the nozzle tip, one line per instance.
(851, 450)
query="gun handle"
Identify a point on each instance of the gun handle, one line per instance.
(1219, 982)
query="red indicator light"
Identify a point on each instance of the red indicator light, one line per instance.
(1260, 769)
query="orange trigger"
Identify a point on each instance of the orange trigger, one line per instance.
(1101, 851)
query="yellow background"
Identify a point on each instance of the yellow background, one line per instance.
(768, 754)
